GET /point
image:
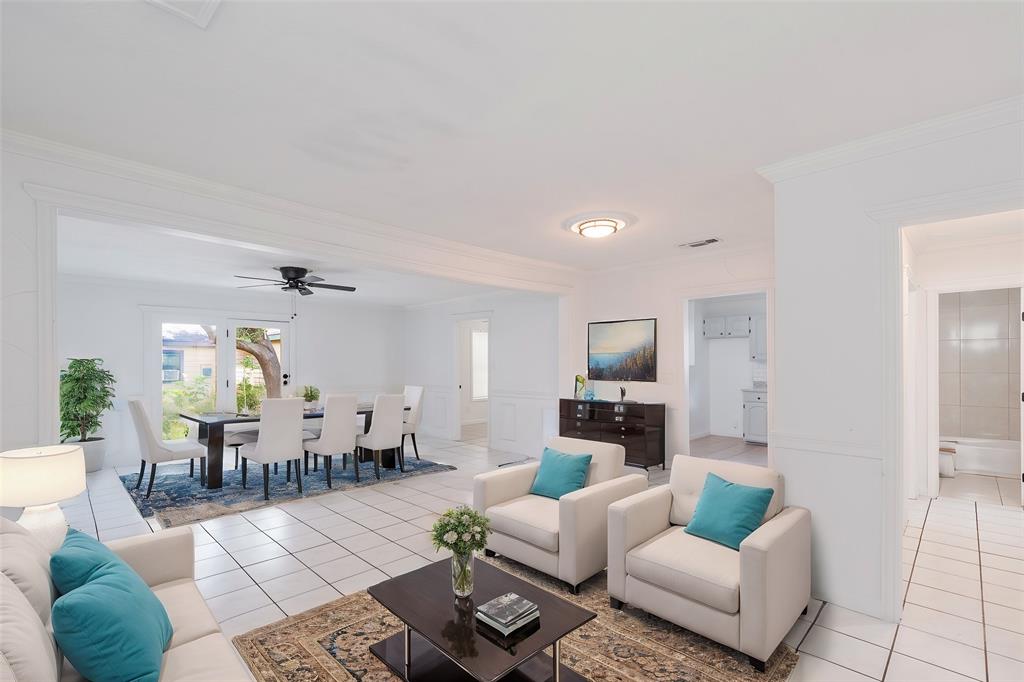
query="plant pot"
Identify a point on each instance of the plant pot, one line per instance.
(462, 574)
(95, 450)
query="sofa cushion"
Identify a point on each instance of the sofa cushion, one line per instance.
(190, 616)
(689, 474)
(27, 564)
(108, 622)
(560, 473)
(728, 512)
(27, 651)
(689, 566)
(531, 518)
(207, 659)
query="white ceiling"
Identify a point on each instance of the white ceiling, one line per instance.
(491, 123)
(88, 248)
(1007, 226)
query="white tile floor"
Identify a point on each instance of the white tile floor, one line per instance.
(963, 617)
(980, 488)
(732, 449)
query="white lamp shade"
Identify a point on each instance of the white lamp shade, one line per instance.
(43, 475)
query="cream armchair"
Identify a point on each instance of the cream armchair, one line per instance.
(565, 538)
(747, 600)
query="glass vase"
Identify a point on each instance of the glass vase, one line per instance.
(462, 574)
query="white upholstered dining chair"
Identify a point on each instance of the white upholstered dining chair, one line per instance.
(414, 401)
(385, 431)
(156, 451)
(338, 433)
(279, 440)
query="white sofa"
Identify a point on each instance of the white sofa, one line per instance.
(28, 653)
(747, 599)
(565, 538)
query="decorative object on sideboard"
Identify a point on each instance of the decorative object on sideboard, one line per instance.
(622, 350)
(622, 394)
(86, 390)
(37, 479)
(462, 531)
(581, 384)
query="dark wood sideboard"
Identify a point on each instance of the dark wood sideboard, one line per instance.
(639, 427)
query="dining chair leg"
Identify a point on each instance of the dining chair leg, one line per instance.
(266, 481)
(275, 468)
(202, 471)
(401, 459)
(191, 468)
(307, 463)
(142, 470)
(402, 448)
(236, 459)
(245, 471)
(355, 463)
(376, 464)
(327, 468)
(314, 461)
(288, 471)
(152, 475)
(344, 461)
(298, 476)
(415, 448)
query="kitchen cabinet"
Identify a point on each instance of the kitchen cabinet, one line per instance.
(731, 326)
(758, 338)
(755, 416)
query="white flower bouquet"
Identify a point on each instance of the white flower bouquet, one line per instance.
(461, 531)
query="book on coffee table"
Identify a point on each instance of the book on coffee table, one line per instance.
(506, 630)
(506, 609)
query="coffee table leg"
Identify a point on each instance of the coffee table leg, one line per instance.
(556, 664)
(408, 651)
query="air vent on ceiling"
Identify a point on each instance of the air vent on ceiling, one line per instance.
(701, 242)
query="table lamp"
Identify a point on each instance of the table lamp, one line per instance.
(37, 479)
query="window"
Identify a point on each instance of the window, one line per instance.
(479, 360)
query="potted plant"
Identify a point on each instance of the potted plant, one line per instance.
(311, 394)
(461, 531)
(86, 390)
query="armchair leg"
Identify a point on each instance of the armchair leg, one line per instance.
(804, 612)
(575, 589)
(615, 603)
(488, 552)
(757, 664)
(245, 472)
(266, 481)
(142, 471)
(152, 475)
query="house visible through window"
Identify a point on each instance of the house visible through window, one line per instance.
(172, 362)
(479, 353)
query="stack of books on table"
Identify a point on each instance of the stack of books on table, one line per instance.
(507, 613)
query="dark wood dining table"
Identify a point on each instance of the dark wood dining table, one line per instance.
(211, 433)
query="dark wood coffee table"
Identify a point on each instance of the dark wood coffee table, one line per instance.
(442, 641)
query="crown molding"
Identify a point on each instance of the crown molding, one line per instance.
(52, 151)
(992, 115)
(197, 13)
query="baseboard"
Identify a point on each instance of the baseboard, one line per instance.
(703, 434)
(471, 422)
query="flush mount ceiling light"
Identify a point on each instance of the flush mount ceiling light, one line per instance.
(597, 226)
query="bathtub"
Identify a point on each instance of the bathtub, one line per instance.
(985, 456)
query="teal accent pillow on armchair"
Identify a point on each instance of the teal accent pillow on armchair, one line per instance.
(108, 623)
(560, 473)
(727, 512)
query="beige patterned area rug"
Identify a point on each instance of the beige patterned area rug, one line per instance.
(332, 642)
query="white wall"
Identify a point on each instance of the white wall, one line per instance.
(836, 433)
(340, 347)
(523, 391)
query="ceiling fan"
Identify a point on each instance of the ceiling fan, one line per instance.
(295, 279)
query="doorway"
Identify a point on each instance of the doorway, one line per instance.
(727, 363)
(473, 361)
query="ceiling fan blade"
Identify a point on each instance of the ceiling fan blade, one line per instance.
(252, 286)
(336, 287)
(262, 279)
(305, 292)
(309, 279)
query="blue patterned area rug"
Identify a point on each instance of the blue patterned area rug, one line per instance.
(178, 499)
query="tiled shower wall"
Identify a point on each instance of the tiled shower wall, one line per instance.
(979, 364)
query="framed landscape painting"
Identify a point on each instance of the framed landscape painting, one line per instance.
(622, 350)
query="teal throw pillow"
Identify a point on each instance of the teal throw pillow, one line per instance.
(108, 623)
(560, 473)
(727, 512)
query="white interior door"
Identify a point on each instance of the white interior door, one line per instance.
(730, 372)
